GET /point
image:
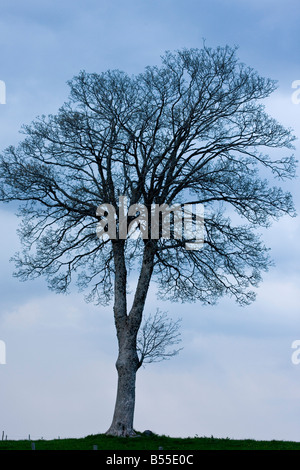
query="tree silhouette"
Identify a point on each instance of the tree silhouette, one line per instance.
(192, 130)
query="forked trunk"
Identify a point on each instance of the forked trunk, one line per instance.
(127, 327)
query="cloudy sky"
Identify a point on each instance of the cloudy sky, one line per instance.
(235, 376)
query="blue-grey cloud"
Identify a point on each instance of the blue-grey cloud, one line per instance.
(236, 367)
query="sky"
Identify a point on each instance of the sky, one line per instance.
(236, 376)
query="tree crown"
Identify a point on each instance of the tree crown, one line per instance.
(192, 130)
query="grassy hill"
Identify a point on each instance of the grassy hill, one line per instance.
(153, 442)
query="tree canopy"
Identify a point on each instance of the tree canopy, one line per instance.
(193, 129)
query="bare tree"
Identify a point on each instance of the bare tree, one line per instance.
(156, 335)
(191, 130)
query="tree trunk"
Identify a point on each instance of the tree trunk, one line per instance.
(127, 366)
(127, 327)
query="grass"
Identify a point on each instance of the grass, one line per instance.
(153, 442)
